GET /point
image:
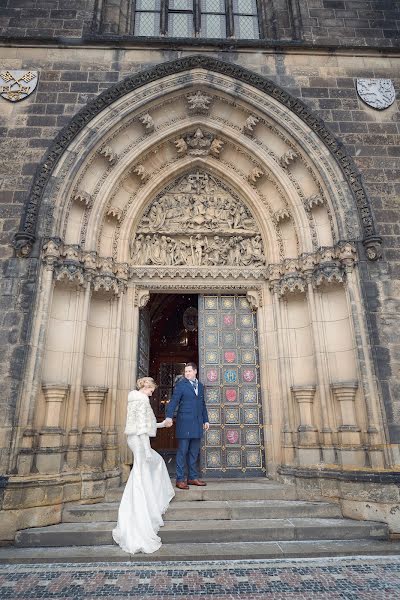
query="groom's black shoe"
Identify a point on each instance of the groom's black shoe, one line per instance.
(197, 482)
(182, 485)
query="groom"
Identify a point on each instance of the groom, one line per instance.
(191, 418)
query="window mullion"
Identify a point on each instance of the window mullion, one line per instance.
(197, 17)
(229, 19)
(164, 17)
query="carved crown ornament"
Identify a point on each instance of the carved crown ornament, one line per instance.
(199, 144)
(26, 236)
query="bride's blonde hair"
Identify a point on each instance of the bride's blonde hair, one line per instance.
(146, 382)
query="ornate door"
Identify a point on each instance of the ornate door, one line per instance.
(229, 369)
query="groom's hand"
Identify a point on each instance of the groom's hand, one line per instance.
(206, 426)
(168, 422)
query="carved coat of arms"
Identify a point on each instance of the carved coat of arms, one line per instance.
(378, 93)
(17, 85)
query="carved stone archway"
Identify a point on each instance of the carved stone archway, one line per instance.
(277, 173)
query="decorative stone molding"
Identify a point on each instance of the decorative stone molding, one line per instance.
(250, 124)
(25, 237)
(153, 272)
(108, 153)
(327, 265)
(288, 158)
(254, 175)
(148, 123)
(69, 262)
(198, 102)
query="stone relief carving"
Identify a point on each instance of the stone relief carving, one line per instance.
(198, 102)
(281, 215)
(114, 212)
(314, 200)
(199, 144)
(197, 222)
(17, 85)
(378, 93)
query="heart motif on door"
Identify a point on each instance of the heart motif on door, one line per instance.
(230, 395)
(232, 436)
(230, 356)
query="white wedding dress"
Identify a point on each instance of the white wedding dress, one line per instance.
(148, 490)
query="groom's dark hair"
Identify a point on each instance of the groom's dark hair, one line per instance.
(191, 364)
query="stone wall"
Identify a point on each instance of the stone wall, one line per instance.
(69, 78)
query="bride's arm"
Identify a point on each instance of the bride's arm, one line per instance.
(145, 441)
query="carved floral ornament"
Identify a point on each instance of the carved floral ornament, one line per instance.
(326, 266)
(26, 236)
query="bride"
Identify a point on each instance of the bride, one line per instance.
(148, 490)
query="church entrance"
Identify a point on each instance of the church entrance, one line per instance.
(219, 333)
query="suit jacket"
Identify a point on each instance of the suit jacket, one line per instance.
(191, 411)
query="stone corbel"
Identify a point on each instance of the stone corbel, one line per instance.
(373, 247)
(114, 213)
(141, 172)
(84, 198)
(281, 215)
(141, 298)
(311, 201)
(50, 454)
(254, 298)
(304, 396)
(91, 449)
(347, 254)
(293, 283)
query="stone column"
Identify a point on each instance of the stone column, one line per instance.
(50, 455)
(375, 427)
(322, 374)
(308, 451)
(91, 442)
(76, 377)
(25, 434)
(287, 442)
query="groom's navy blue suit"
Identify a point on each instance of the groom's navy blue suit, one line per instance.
(191, 414)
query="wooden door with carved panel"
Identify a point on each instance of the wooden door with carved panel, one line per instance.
(229, 369)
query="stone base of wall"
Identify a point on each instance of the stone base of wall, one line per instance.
(38, 500)
(365, 495)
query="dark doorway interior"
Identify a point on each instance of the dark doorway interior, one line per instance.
(173, 342)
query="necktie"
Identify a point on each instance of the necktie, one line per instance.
(195, 386)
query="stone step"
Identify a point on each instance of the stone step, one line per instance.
(213, 551)
(228, 509)
(210, 531)
(262, 489)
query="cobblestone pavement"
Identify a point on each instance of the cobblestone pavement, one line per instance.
(350, 578)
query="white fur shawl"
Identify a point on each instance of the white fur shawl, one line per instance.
(140, 417)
